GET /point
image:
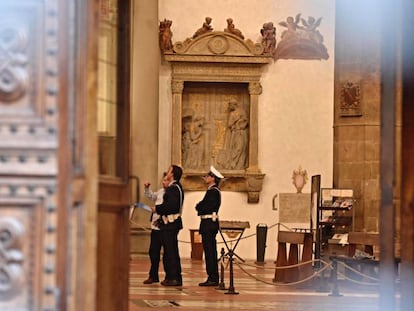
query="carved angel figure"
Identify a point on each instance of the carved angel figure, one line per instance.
(204, 29)
(165, 35)
(268, 38)
(232, 29)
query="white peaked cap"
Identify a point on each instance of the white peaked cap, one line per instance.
(216, 172)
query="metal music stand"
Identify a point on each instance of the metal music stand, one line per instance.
(234, 230)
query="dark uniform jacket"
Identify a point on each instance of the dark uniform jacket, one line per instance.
(172, 203)
(209, 204)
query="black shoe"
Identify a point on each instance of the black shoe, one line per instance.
(208, 283)
(171, 283)
(150, 281)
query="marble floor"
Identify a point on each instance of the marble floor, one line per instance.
(253, 289)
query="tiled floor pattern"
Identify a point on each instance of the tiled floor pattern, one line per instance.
(256, 291)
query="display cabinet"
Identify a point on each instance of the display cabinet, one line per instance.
(335, 217)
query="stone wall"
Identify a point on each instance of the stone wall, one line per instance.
(357, 128)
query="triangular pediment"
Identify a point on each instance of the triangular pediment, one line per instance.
(218, 43)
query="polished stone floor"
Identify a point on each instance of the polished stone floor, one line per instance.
(253, 289)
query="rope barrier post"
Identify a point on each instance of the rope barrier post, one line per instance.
(335, 289)
(261, 234)
(221, 285)
(323, 284)
(231, 290)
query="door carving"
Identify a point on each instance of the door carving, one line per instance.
(52, 229)
(29, 145)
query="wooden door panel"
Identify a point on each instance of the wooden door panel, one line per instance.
(21, 230)
(29, 122)
(113, 246)
(50, 221)
(48, 154)
(114, 197)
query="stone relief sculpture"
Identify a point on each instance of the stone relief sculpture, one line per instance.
(268, 33)
(192, 141)
(350, 99)
(217, 133)
(165, 35)
(301, 39)
(210, 69)
(204, 29)
(237, 136)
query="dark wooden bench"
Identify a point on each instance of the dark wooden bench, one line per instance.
(368, 243)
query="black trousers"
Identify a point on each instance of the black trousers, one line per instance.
(154, 254)
(171, 258)
(210, 254)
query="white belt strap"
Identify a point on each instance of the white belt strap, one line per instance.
(170, 218)
(213, 216)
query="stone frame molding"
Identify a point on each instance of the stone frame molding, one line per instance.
(227, 59)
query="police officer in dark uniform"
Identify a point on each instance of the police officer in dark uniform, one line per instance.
(170, 224)
(208, 209)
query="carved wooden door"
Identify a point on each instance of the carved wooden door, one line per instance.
(52, 228)
(36, 155)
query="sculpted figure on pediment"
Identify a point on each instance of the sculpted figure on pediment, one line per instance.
(268, 33)
(232, 29)
(204, 29)
(165, 35)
